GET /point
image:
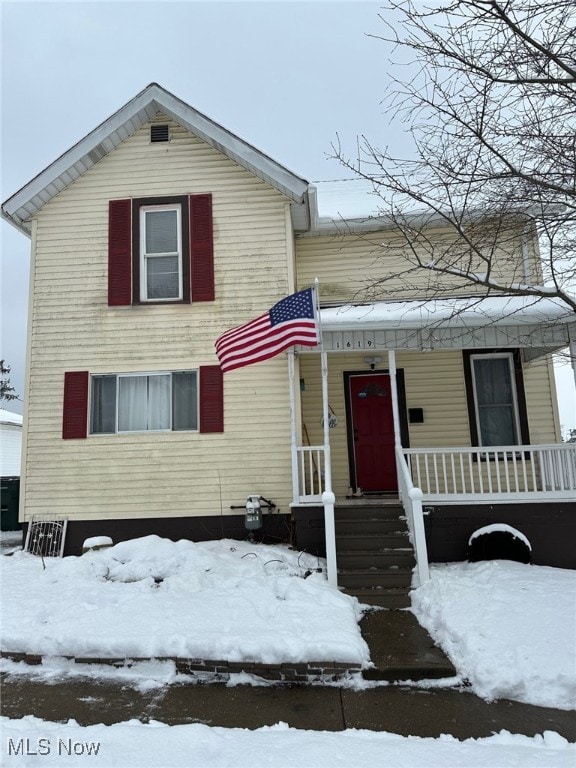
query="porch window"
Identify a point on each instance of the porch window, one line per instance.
(144, 402)
(496, 413)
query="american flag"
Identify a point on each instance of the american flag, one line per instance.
(290, 321)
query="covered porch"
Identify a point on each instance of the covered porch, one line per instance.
(428, 360)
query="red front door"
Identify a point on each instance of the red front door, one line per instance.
(373, 432)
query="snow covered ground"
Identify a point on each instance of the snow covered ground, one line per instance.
(134, 745)
(152, 597)
(509, 628)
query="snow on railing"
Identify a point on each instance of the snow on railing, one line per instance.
(411, 498)
(310, 473)
(516, 471)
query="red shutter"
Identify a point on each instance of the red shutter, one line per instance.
(119, 253)
(211, 399)
(201, 248)
(75, 415)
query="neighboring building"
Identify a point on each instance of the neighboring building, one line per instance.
(159, 231)
(10, 453)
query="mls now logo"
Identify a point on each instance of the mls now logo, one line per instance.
(35, 747)
(29, 747)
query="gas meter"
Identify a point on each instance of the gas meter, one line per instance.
(253, 518)
(253, 509)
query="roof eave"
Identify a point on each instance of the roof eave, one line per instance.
(326, 225)
(19, 208)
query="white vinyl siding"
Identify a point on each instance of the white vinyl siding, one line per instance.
(541, 402)
(10, 449)
(172, 473)
(374, 266)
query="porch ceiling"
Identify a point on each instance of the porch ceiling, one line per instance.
(501, 321)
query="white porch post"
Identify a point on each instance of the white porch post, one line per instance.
(573, 357)
(328, 497)
(293, 427)
(394, 389)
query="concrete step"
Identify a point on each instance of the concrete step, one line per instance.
(389, 512)
(391, 597)
(365, 525)
(375, 578)
(401, 649)
(346, 542)
(367, 558)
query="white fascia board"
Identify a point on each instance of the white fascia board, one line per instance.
(122, 124)
(233, 147)
(461, 313)
(342, 226)
(325, 225)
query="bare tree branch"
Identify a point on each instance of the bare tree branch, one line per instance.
(489, 98)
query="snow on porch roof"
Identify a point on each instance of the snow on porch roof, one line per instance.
(455, 313)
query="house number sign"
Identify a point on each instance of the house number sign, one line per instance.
(353, 340)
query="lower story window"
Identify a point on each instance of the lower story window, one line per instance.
(144, 402)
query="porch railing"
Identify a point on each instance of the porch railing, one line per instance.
(310, 473)
(514, 472)
(411, 498)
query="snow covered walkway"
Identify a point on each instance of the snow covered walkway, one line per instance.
(508, 628)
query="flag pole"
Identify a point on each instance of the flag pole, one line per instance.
(293, 428)
(328, 498)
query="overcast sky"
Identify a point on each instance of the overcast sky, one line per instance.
(286, 76)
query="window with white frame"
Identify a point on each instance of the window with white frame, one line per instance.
(161, 252)
(495, 399)
(144, 402)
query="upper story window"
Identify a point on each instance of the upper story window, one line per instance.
(160, 249)
(161, 253)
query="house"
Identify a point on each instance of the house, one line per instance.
(159, 231)
(10, 450)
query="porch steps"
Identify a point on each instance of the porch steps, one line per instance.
(373, 553)
(365, 559)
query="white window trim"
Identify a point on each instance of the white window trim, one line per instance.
(144, 431)
(143, 256)
(491, 356)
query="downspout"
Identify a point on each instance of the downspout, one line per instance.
(294, 410)
(527, 275)
(22, 505)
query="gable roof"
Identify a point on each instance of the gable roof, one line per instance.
(127, 120)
